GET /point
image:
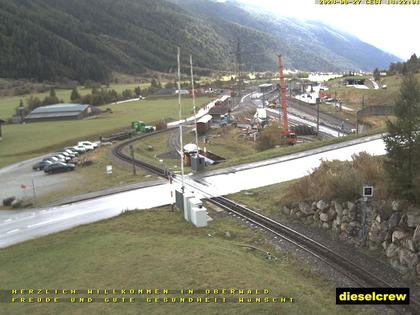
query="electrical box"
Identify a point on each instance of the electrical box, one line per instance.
(179, 200)
(197, 163)
(187, 205)
(199, 216)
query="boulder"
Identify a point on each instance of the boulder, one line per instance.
(325, 225)
(344, 227)
(227, 234)
(393, 220)
(337, 221)
(396, 205)
(351, 206)
(408, 244)
(378, 218)
(408, 258)
(392, 250)
(324, 217)
(413, 219)
(313, 205)
(305, 208)
(286, 210)
(8, 201)
(416, 238)
(398, 234)
(403, 221)
(338, 208)
(322, 205)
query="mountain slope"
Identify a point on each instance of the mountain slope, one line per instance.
(88, 40)
(50, 39)
(314, 45)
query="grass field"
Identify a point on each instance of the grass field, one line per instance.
(157, 249)
(9, 103)
(353, 97)
(223, 142)
(228, 145)
(24, 141)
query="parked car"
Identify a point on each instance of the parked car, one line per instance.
(66, 154)
(63, 157)
(54, 159)
(41, 165)
(70, 151)
(59, 168)
(80, 149)
(88, 145)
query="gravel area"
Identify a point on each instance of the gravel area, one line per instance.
(13, 176)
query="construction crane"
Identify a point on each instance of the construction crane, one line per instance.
(290, 137)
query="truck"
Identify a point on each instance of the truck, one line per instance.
(141, 127)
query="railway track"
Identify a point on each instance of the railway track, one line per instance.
(360, 276)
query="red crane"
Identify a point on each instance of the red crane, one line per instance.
(289, 136)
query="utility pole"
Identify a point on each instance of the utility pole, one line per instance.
(317, 116)
(180, 121)
(239, 64)
(132, 159)
(193, 96)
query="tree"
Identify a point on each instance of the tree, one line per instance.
(52, 93)
(137, 91)
(376, 75)
(75, 96)
(403, 142)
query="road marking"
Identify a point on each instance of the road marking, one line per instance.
(12, 231)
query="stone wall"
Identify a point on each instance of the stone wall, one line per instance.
(391, 227)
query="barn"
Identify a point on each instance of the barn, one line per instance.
(60, 112)
(203, 124)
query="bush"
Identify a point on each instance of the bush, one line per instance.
(269, 138)
(340, 180)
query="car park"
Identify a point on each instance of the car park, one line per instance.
(59, 167)
(41, 165)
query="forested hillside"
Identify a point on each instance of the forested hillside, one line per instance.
(88, 40)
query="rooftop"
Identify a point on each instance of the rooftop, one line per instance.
(59, 108)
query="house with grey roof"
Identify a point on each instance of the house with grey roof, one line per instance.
(60, 112)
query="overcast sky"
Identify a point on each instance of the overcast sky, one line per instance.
(393, 28)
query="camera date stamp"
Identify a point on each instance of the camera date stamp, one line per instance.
(367, 2)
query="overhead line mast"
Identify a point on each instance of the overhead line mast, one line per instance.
(180, 120)
(193, 97)
(290, 136)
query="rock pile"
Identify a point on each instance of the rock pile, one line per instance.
(392, 227)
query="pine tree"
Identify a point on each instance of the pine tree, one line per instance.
(376, 74)
(403, 142)
(75, 96)
(52, 93)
